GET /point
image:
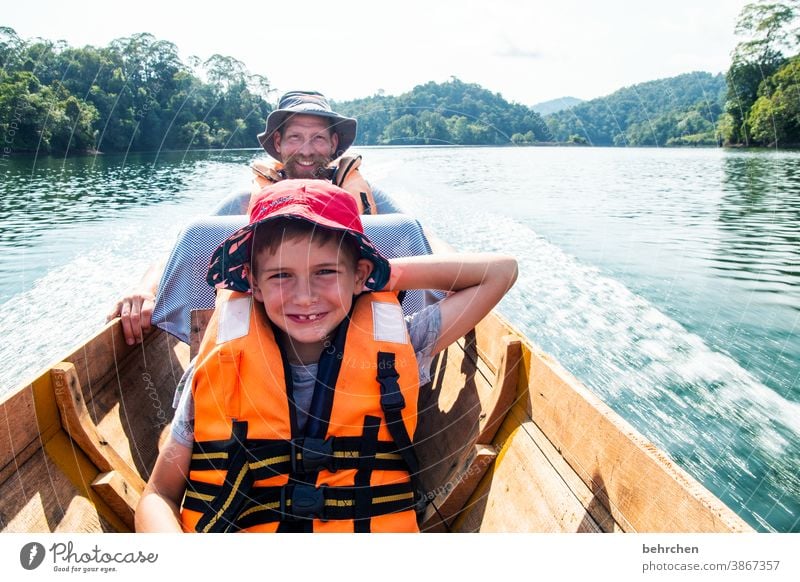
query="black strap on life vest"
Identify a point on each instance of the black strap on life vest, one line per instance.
(319, 413)
(365, 203)
(326, 173)
(393, 403)
(346, 165)
(330, 362)
(302, 503)
(220, 512)
(369, 442)
(268, 458)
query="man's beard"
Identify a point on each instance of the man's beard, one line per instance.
(295, 170)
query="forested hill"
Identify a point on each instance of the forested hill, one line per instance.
(133, 95)
(137, 95)
(680, 110)
(444, 113)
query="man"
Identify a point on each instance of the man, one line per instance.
(304, 136)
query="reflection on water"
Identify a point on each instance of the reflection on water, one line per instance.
(49, 206)
(82, 189)
(759, 215)
(667, 280)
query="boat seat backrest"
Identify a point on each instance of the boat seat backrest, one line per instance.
(183, 286)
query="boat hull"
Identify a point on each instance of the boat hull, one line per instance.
(509, 442)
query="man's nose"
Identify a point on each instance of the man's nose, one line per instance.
(306, 149)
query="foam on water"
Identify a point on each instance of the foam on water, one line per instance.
(70, 303)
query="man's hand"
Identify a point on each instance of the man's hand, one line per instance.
(136, 308)
(136, 312)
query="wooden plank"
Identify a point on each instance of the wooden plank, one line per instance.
(29, 413)
(19, 434)
(496, 407)
(29, 417)
(116, 492)
(636, 481)
(121, 404)
(64, 455)
(518, 419)
(462, 409)
(98, 360)
(449, 415)
(47, 496)
(41, 499)
(522, 493)
(450, 497)
(483, 341)
(200, 319)
(81, 428)
(432, 522)
(113, 373)
(135, 410)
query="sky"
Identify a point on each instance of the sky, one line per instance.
(528, 51)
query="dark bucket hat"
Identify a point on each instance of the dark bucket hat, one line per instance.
(307, 103)
(314, 201)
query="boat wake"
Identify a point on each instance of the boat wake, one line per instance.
(718, 421)
(69, 304)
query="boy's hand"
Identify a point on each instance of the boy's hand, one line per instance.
(136, 312)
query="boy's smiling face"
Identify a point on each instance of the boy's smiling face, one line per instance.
(307, 289)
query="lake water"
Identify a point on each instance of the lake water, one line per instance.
(668, 280)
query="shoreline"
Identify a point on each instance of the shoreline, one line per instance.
(94, 153)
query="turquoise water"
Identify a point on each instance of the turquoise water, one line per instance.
(666, 280)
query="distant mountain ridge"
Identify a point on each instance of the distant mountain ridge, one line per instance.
(556, 105)
(453, 112)
(680, 110)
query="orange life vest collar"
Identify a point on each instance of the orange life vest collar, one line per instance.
(343, 172)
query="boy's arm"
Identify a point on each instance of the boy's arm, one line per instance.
(159, 506)
(478, 282)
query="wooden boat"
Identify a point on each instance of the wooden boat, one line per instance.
(509, 442)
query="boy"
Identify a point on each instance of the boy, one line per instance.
(304, 394)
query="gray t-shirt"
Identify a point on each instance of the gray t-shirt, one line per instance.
(424, 328)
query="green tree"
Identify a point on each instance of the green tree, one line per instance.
(134, 94)
(774, 118)
(767, 28)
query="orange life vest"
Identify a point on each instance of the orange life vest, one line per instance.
(351, 468)
(343, 172)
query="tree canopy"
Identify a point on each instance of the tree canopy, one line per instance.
(133, 95)
(762, 106)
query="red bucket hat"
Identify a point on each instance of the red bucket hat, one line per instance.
(315, 201)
